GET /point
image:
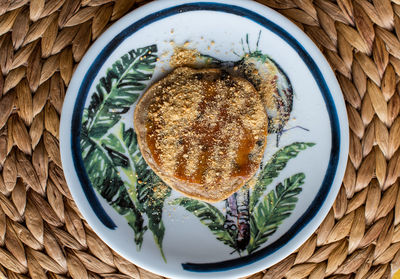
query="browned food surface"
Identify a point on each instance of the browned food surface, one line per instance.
(202, 131)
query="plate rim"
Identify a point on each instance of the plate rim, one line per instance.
(152, 7)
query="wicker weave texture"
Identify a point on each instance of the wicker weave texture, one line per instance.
(42, 233)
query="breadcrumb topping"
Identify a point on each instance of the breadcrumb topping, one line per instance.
(205, 127)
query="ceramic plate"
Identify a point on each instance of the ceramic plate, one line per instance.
(160, 230)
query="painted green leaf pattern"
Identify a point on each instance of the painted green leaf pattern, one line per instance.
(146, 188)
(273, 209)
(267, 214)
(209, 216)
(104, 176)
(272, 169)
(110, 153)
(119, 89)
(151, 193)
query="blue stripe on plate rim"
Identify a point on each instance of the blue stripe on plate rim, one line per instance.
(94, 68)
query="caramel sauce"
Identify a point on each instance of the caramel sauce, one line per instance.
(151, 142)
(244, 164)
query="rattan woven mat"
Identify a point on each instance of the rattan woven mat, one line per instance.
(42, 233)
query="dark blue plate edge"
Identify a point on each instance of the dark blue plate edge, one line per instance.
(209, 6)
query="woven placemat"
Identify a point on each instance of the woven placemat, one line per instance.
(42, 233)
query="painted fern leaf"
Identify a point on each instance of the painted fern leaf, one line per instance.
(133, 217)
(103, 173)
(151, 194)
(274, 208)
(209, 216)
(119, 89)
(104, 154)
(272, 169)
(147, 191)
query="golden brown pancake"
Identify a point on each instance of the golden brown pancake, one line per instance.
(203, 132)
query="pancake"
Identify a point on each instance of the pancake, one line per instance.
(202, 131)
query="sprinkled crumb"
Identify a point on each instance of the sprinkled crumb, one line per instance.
(205, 127)
(184, 57)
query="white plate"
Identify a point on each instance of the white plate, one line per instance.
(166, 235)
